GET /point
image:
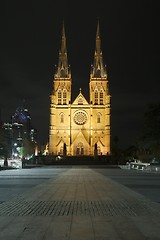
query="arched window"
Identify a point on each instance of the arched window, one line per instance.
(61, 118)
(98, 118)
(80, 101)
(59, 96)
(64, 97)
(101, 97)
(96, 97)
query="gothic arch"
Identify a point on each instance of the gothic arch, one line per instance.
(80, 101)
(101, 97)
(59, 96)
(99, 115)
(64, 96)
(61, 117)
(80, 149)
(96, 96)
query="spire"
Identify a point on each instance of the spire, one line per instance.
(98, 70)
(98, 41)
(63, 67)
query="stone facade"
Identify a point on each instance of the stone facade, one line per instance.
(80, 127)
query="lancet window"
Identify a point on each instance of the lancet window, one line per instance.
(98, 118)
(62, 118)
(96, 97)
(59, 97)
(101, 97)
(64, 97)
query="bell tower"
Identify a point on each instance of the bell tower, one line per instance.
(60, 100)
(99, 100)
(62, 76)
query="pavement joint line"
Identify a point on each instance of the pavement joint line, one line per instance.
(68, 208)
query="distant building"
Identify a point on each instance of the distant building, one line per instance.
(20, 132)
(80, 127)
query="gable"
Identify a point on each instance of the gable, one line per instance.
(80, 138)
(80, 100)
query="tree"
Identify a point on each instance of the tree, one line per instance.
(151, 129)
(116, 140)
(5, 146)
(28, 147)
(150, 139)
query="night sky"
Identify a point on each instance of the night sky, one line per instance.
(30, 38)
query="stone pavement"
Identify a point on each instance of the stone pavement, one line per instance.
(79, 204)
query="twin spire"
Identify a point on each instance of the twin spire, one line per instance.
(63, 70)
(98, 69)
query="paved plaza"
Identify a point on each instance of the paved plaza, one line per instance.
(78, 203)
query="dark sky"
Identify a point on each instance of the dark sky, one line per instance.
(30, 35)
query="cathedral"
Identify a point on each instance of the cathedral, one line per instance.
(80, 127)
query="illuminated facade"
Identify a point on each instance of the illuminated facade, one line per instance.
(79, 127)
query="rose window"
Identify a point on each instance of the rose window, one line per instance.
(80, 118)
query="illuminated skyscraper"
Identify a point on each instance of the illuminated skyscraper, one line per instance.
(80, 127)
(21, 136)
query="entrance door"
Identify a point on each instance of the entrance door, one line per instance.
(80, 149)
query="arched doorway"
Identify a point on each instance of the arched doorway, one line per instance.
(80, 149)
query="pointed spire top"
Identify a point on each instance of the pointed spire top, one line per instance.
(98, 32)
(98, 69)
(98, 40)
(63, 67)
(63, 31)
